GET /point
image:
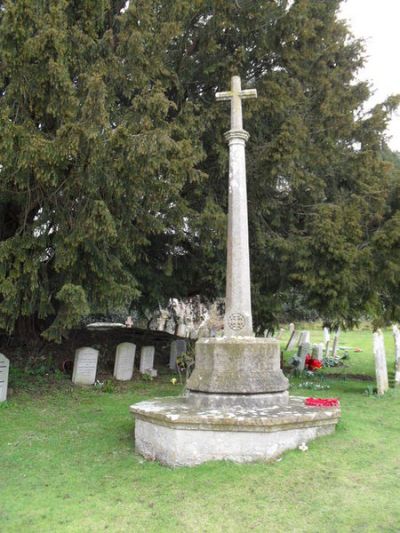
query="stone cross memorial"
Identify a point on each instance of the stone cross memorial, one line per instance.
(237, 405)
(85, 366)
(238, 318)
(124, 361)
(4, 369)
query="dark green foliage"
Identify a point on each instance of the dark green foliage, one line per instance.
(114, 167)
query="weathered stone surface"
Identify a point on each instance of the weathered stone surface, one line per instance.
(85, 366)
(396, 335)
(238, 316)
(335, 342)
(4, 370)
(124, 361)
(382, 380)
(292, 342)
(177, 434)
(304, 349)
(146, 359)
(178, 348)
(237, 365)
(218, 401)
(304, 337)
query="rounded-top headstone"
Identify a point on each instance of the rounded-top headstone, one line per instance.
(85, 366)
(124, 361)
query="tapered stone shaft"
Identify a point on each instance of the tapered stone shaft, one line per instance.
(238, 317)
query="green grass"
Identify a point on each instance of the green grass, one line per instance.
(67, 463)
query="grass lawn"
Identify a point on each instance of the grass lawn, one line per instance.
(67, 463)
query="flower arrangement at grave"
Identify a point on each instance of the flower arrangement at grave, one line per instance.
(312, 364)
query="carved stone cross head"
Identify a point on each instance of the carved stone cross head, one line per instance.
(236, 95)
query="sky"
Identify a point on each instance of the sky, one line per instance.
(378, 23)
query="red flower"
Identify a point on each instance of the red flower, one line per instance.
(321, 402)
(312, 364)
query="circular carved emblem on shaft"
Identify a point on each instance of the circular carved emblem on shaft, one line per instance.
(236, 321)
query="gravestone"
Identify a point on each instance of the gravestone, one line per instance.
(335, 342)
(382, 381)
(85, 366)
(327, 339)
(147, 361)
(396, 335)
(292, 342)
(292, 327)
(124, 361)
(303, 350)
(304, 337)
(178, 348)
(320, 351)
(4, 369)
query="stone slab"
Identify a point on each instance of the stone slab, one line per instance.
(207, 400)
(4, 370)
(124, 361)
(175, 433)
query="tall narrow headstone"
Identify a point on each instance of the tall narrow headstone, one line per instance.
(147, 360)
(320, 351)
(85, 366)
(327, 339)
(382, 381)
(4, 369)
(292, 327)
(335, 342)
(396, 335)
(124, 361)
(178, 348)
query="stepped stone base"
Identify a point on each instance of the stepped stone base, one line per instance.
(177, 433)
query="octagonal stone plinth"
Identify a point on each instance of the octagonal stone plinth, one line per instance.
(175, 433)
(237, 365)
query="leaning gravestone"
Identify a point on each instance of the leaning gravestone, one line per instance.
(292, 341)
(147, 361)
(177, 349)
(4, 368)
(396, 334)
(85, 366)
(382, 381)
(124, 361)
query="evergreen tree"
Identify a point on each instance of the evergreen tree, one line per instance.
(113, 186)
(318, 187)
(93, 156)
